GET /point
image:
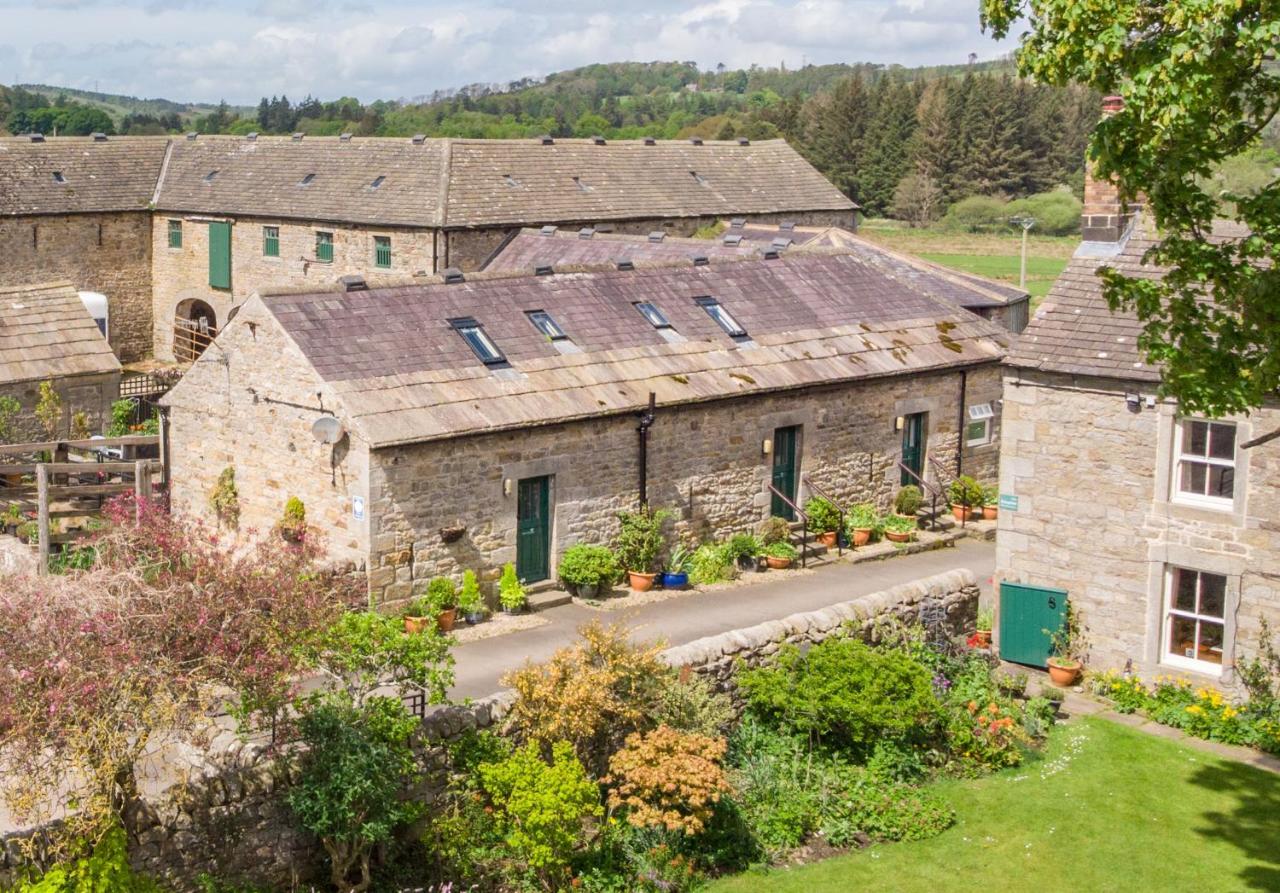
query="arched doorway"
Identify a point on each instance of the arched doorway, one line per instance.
(194, 326)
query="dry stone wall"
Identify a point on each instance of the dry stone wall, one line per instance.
(88, 394)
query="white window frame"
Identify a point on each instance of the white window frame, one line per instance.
(1220, 503)
(981, 412)
(1167, 654)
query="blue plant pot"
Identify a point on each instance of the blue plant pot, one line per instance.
(675, 581)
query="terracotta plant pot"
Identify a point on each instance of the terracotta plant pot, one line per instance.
(778, 564)
(983, 638)
(828, 539)
(894, 537)
(414, 624)
(1063, 672)
(990, 512)
(446, 619)
(641, 582)
(861, 536)
(962, 512)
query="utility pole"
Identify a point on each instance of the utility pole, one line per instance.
(1026, 223)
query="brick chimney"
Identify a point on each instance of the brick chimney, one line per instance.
(1105, 217)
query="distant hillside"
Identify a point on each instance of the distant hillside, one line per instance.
(118, 106)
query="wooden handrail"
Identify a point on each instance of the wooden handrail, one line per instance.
(48, 446)
(804, 520)
(808, 482)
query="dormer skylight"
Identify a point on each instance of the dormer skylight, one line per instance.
(653, 314)
(722, 317)
(58, 178)
(306, 181)
(480, 343)
(544, 323)
(377, 181)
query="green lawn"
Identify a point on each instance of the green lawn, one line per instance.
(1041, 271)
(1107, 808)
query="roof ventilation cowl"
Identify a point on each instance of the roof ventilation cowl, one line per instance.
(657, 235)
(780, 244)
(452, 276)
(297, 136)
(701, 260)
(191, 135)
(419, 139)
(543, 270)
(737, 223)
(695, 140)
(770, 253)
(353, 282)
(625, 263)
(345, 136)
(99, 136)
(597, 140)
(36, 137)
(586, 232)
(743, 141)
(546, 140)
(733, 240)
(547, 230)
(251, 136)
(787, 226)
(650, 141)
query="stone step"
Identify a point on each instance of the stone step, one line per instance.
(546, 595)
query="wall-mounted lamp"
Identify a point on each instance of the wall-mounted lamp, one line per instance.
(1134, 402)
(766, 446)
(506, 486)
(1151, 401)
(899, 423)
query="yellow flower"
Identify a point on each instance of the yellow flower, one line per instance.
(1195, 708)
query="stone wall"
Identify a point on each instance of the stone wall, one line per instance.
(90, 394)
(1096, 515)
(229, 818)
(17, 557)
(181, 275)
(249, 404)
(706, 462)
(107, 253)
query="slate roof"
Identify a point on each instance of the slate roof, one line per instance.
(116, 175)
(404, 375)
(45, 332)
(565, 248)
(1075, 332)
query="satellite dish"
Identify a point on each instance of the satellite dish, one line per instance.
(327, 429)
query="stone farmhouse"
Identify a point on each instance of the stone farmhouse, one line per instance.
(177, 232)
(531, 250)
(46, 335)
(477, 419)
(1162, 528)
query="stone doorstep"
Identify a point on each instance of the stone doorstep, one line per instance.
(546, 594)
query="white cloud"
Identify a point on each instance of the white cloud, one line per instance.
(243, 49)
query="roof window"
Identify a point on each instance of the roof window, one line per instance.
(377, 181)
(543, 322)
(651, 312)
(698, 178)
(722, 317)
(510, 181)
(306, 181)
(208, 178)
(582, 187)
(58, 178)
(481, 344)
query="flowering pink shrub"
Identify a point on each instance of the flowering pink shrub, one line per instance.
(166, 627)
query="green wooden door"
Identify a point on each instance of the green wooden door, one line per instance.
(913, 446)
(533, 529)
(220, 254)
(786, 469)
(1025, 613)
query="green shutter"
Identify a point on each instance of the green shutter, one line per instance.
(382, 251)
(175, 233)
(324, 247)
(271, 241)
(220, 255)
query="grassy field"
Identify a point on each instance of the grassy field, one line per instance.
(996, 256)
(1107, 808)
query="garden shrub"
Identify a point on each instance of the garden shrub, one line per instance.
(774, 530)
(690, 703)
(823, 515)
(845, 693)
(668, 779)
(908, 500)
(357, 763)
(104, 870)
(364, 649)
(893, 761)
(592, 694)
(640, 539)
(1057, 213)
(542, 805)
(884, 810)
(978, 213)
(779, 788)
(511, 593)
(711, 564)
(586, 565)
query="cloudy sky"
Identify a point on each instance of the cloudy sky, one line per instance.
(207, 50)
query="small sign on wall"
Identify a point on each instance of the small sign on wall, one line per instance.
(357, 507)
(1009, 502)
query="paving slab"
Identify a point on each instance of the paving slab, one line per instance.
(677, 621)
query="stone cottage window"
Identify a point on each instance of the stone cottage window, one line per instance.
(271, 241)
(324, 247)
(382, 252)
(175, 233)
(1194, 623)
(1206, 463)
(978, 430)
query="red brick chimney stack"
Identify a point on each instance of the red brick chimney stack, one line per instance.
(1105, 217)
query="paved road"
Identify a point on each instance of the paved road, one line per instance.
(481, 664)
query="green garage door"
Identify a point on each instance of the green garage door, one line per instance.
(1025, 613)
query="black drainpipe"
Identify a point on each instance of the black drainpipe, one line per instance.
(646, 422)
(960, 426)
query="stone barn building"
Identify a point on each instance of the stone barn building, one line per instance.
(1162, 527)
(79, 209)
(481, 419)
(46, 335)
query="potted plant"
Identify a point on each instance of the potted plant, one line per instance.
(675, 575)
(824, 517)
(774, 530)
(908, 500)
(743, 549)
(861, 523)
(442, 596)
(964, 493)
(1054, 695)
(470, 601)
(28, 531)
(900, 528)
(640, 542)
(12, 518)
(584, 568)
(1012, 684)
(1066, 649)
(511, 592)
(780, 555)
(983, 635)
(417, 614)
(990, 503)
(293, 525)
